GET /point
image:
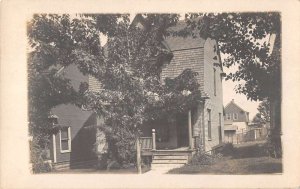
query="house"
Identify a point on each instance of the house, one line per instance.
(73, 144)
(201, 127)
(236, 120)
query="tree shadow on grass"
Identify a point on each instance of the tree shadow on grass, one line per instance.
(267, 167)
(257, 150)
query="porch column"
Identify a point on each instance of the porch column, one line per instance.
(190, 129)
(153, 140)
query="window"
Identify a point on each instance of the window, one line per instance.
(228, 116)
(65, 139)
(220, 128)
(235, 116)
(215, 87)
(209, 124)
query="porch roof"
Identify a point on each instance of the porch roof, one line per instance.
(230, 127)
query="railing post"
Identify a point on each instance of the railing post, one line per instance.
(153, 140)
(190, 129)
(138, 156)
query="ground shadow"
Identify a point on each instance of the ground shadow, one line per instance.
(257, 150)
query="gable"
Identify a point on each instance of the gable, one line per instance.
(231, 109)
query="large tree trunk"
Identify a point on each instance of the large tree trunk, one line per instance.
(274, 139)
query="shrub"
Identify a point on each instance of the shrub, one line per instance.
(39, 156)
(203, 158)
(273, 146)
(226, 150)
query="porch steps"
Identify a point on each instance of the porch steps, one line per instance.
(169, 160)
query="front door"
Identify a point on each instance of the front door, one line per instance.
(182, 131)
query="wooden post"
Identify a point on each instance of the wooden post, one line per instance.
(153, 140)
(138, 156)
(190, 129)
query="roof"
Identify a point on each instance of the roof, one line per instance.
(228, 122)
(230, 127)
(232, 102)
(180, 43)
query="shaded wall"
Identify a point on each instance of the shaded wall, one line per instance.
(215, 101)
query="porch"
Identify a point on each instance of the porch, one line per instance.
(169, 136)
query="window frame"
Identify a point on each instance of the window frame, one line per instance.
(220, 128)
(68, 139)
(215, 83)
(235, 116)
(209, 136)
(228, 116)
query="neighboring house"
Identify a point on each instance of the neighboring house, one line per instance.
(201, 127)
(74, 143)
(236, 120)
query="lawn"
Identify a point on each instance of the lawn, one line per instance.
(131, 170)
(249, 158)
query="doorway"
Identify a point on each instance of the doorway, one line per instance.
(182, 130)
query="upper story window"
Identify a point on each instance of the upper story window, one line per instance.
(235, 116)
(228, 116)
(215, 84)
(65, 139)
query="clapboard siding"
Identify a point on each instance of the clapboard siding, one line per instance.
(94, 84)
(185, 59)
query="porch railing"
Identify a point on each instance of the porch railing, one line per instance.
(146, 143)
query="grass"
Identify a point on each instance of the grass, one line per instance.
(131, 170)
(249, 158)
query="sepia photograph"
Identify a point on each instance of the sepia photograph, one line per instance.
(149, 94)
(191, 93)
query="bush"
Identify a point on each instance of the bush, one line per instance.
(39, 157)
(202, 159)
(41, 167)
(273, 146)
(226, 150)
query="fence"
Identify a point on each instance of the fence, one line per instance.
(251, 135)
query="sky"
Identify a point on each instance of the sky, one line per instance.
(240, 99)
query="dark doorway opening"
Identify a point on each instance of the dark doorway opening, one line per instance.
(182, 130)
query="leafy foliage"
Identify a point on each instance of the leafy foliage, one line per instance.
(241, 37)
(242, 41)
(132, 85)
(128, 67)
(204, 159)
(54, 43)
(263, 115)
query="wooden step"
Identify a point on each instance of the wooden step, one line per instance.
(172, 153)
(170, 157)
(169, 161)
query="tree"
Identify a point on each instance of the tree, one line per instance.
(128, 69)
(132, 86)
(263, 115)
(54, 41)
(242, 39)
